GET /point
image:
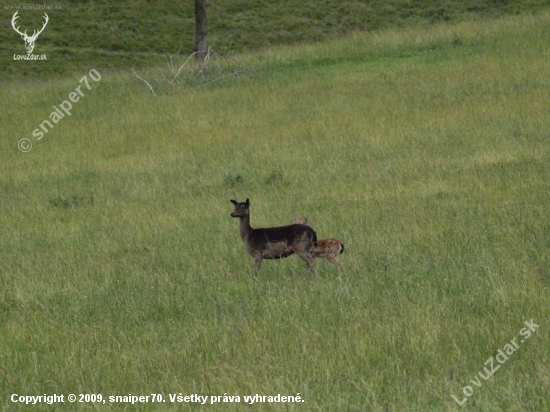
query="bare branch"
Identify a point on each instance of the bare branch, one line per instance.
(181, 67)
(208, 71)
(205, 61)
(237, 73)
(145, 81)
(171, 63)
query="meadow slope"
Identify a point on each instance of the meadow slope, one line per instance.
(139, 33)
(424, 150)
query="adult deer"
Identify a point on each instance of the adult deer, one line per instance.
(327, 248)
(274, 242)
(29, 40)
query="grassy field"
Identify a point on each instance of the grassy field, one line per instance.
(424, 150)
(141, 33)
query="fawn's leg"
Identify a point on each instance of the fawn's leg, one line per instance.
(334, 260)
(257, 264)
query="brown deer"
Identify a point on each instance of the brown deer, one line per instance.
(274, 242)
(327, 248)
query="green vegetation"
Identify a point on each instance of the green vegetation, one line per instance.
(425, 150)
(118, 35)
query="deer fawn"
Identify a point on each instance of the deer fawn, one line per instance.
(274, 242)
(327, 248)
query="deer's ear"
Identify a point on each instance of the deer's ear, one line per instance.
(234, 202)
(247, 202)
(305, 220)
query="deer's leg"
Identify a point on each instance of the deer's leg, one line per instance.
(257, 264)
(334, 260)
(306, 257)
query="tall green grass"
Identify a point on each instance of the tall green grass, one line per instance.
(424, 151)
(139, 33)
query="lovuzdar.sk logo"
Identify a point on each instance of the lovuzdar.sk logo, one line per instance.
(29, 40)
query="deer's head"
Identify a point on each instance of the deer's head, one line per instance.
(241, 209)
(29, 40)
(299, 221)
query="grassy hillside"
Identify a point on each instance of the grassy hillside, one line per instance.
(105, 34)
(424, 150)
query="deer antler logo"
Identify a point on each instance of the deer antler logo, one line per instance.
(29, 40)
